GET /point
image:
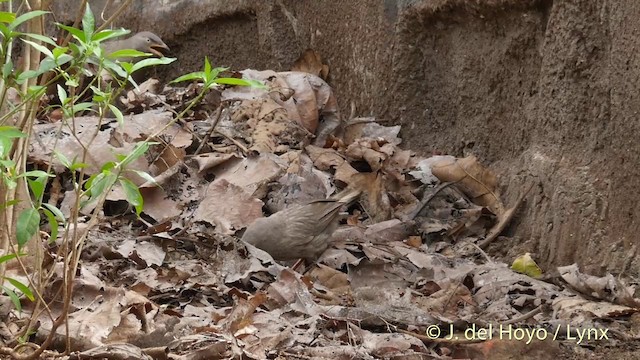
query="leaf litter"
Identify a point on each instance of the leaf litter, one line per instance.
(177, 283)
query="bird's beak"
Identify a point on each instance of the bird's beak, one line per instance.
(158, 49)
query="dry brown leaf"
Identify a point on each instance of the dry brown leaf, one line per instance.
(242, 313)
(330, 278)
(375, 199)
(476, 181)
(228, 207)
(311, 100)
(607, 288)
(211, 160)
(149, 253)
(345, 172)
(111, 139)
(577, 307)
(369, 151)
(311, 62)
(324, 159)
(159, 205)
(388, 231)
(251, 173)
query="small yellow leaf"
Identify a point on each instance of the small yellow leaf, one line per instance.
(525, 265)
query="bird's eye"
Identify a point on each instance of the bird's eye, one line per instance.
(148, 40)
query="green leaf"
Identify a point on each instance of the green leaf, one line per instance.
(126, 53)
(207, 67)
(63, 59)
(6, 32)
(77, 166)
(6, 141)
(62, 94)
(41, 48)
(44, 39)
(36, 174)
(109, 34)
(116, 68)
(62, 158)
(53, 224)
(148, 178)
(22, 287)
(26, 75)
(46, 65)
(27, 225)
(14, 298)
(233, 81)
(72, 82)
(256, 83)
(108, 166)
(59, 51)
(151, 62)
(7, 164)
(11, 132)
(25, 17)
(56, 212)
(5, 258)
(132, 193)
(138, 151)
(117, 113)
(36, 91)
(7, 69)
(83, 106)
(216, 71)
(10, 183)
(88, 23)
(7, 17)
(76, 33)
(199, 75)
(36, 187)
(102, 183)
(5, 147)
(8, 204)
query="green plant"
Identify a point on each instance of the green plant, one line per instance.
(85, 80)
(78, 70)
(209, 78)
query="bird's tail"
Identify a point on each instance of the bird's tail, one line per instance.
(347, 196)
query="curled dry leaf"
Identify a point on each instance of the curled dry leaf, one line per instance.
(211, 160)
(476, 181)
(242, 313)
(311, 62)
(375, 199)
(607, 288)
(361, 128)
(345, 172)
(312, 104)
(374, 152)
(323, 158)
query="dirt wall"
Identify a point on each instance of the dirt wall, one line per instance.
(542, 91)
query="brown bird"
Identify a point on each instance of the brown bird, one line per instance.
(300, 231)
(144, 41)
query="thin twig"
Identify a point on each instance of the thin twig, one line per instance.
(204, 141)
(114, 16)
(242, 148)
(508, 215)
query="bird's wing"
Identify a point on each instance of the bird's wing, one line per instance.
(313, 218)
